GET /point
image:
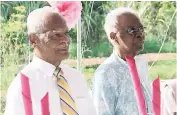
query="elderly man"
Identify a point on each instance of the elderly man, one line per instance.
(54, 88)
(113, 92)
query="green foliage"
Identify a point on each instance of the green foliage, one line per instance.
(169, 47)
(3, 102)
(14, 48)
(73, 50)
(158, 17)
(92, 26)
(7, 7)
(104, 49)
(153, 45)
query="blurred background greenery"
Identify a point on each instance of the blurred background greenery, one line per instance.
(159, 18)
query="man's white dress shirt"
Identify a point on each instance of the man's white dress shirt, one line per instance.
(41, 80)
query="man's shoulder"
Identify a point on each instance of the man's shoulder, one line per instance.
(16, 83)
(29, 68)
(106, 67)
(109, 70)
(104, 72)
(109, 63)
(74, 76)
(70, 69)
(15, 86)
(72, 73)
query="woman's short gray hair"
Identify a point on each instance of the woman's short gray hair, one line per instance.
(111, 21)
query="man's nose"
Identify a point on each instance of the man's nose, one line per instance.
(66, 39)
(140, 35)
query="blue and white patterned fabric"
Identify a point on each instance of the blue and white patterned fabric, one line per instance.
(113, 92)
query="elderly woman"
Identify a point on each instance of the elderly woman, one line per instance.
(113, 92)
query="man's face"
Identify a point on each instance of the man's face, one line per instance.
(54, 43)
(130, 34)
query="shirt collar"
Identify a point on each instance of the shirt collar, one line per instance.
(117, 58)
(44, 66)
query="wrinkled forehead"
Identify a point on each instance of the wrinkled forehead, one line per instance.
(55, 23)
(129, 20)
(58, 31)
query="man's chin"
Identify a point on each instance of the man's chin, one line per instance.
(139, 49)
(63, 56)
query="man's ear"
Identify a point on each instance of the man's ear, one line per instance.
(114, 37)
(33, 40)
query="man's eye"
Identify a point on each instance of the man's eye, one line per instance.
(142, 29)
(131, 30)
(67, 33)
(58, 35)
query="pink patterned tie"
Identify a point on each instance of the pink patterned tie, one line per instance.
(137, 86)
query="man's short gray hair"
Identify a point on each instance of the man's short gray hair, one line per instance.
(36, 21)
(111, 21)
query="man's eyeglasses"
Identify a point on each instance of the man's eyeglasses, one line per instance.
(135, 30)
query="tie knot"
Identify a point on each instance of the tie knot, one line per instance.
(57, 68)
(58, 71)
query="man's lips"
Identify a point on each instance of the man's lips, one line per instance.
(62, 50)
(141, 42)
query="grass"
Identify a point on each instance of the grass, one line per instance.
(164, 69)
(88, 75)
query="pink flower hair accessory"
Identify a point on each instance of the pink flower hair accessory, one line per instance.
(70, 10)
